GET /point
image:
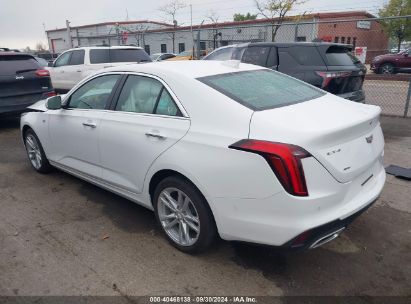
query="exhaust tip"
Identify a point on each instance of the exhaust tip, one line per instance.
(326, 238)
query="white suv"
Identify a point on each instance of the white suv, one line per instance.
(75, 64)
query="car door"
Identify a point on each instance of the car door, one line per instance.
(144, 123)
(75, 128)
(73, 71)
(57, 71)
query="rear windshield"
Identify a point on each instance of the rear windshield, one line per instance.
(340, 56)
(262, 89)
(12, 64)
(118, 55)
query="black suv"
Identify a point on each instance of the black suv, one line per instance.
(329, 66)
(22, 82)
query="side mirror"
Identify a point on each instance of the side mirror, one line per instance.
(54, 103)
(406, 54)
(50, 64)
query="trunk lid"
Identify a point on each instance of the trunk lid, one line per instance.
(344, 136)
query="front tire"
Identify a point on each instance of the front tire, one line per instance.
(387, 68)
(184, 215)
(36, 153)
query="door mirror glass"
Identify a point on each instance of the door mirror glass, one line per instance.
(406, 54)
(54, 103)
(50, 64)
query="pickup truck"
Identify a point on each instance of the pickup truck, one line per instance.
(75, 64)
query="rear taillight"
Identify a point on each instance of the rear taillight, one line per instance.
(51, 94)
(328, 76)
(42, 73)
(284, 160)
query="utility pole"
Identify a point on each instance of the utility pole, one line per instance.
(191, 28)
(69, 41)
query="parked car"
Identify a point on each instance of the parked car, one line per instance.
(75, 64)
(392, 63)
(186, 55)
(213, 147)
(23, 81)
(329, 66)
(162, 56)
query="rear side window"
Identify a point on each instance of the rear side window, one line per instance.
(256, 55)
(129, 55)
(10, 64)
(99, 56)
(340, 56)
(146, 95)
(77, 57)
(305, 55)
(262, 89)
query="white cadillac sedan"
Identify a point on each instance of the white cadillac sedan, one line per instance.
(214, 148)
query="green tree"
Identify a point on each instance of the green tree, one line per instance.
(275, 11)
(399, 29)
(244, 17)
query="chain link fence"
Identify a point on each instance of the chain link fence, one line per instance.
(386, 84)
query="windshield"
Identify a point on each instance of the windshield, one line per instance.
(262, 89)
(340, 56)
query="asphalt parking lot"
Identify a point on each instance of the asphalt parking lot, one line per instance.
(62, 236)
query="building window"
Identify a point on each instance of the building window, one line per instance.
(336, 39)
(301, 38)
(181, 47)
(147, 49)
(354, 41)
(202, 45)
(342, 39)
(163, 48)
(348, 40)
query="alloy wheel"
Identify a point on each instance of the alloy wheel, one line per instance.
(387, 69)
(33, 151)
(178, 216)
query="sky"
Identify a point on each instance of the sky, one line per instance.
(22, 22)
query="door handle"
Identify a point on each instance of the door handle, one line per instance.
(78, 71)
(155, 135)
(89, 124)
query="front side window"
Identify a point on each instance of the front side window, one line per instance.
(146, 95)
(262, 89)
(94, 94)
(63, 60)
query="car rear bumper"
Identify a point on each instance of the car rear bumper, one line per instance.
(16, 105)
(358, 96)
(280, 219)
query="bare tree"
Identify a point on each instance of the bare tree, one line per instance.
(40, 46)
(213, 16)
(170, 11)
(275, 11)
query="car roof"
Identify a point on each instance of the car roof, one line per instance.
(106, 47)
(189, 68)
(15, 54)
(288, 44)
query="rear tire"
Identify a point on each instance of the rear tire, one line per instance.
(184, 215)
(35, 152)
